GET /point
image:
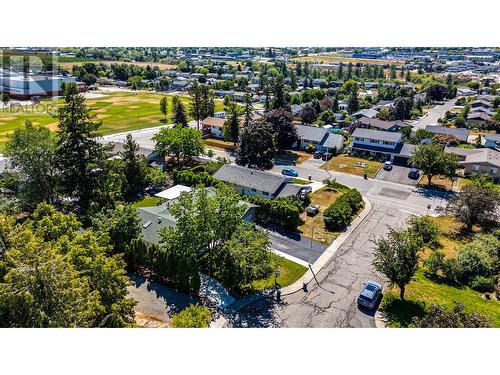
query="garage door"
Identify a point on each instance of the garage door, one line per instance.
(399, 160)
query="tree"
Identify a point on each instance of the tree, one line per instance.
(179, 142)
(246, 257)
(438, 316)
(5, 98)
(180, 117)
(193, 316)
(280, 100)
(32, 153)
(120, 224)
(56, 276)
(424, 228)
(436, 91)
(474, 205)
(445, 140)
(281, 120)
(402, 108)
(196, 105)
(308, 114)
(80, 156)
(164, 107)
(257, 146)
(232, 126)
(352, 102)
(247, 110)
(397, 257)
(432, 160)
(134, 167)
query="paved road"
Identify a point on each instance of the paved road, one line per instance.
(332, 302)
(434, 114)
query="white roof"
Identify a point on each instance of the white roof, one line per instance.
(173, 193)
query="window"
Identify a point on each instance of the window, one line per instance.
(493, 170)
(254, 190)
(265, 193)
(475, 167)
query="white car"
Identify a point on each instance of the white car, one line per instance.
(388, 165)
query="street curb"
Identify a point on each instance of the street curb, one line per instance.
(313, 269)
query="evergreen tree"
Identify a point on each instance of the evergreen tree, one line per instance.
(164, 107)
(135, 167)
(340, 72)
(247, 110)
(257, 146)
(180, 117)
(196, 105)
(232, 126)
(80, 156)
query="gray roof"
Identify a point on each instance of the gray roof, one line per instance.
(377, 135)
(290, 189)
(485, 156)
(462, 134)
(407, 150)
(312, 133)
(250, 178)
(493, 137)
(381, 124)
(367, 112)
(459, 151)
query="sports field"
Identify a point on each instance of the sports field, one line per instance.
(118, 111)
(337, 58)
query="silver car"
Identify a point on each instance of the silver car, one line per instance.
(370, 294)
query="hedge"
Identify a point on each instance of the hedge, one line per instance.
(281, 211)
(191, 178)
(340, 212)
(165, 265)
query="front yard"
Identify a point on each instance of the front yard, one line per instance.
(324, 198)
(352, 165)
(289, 272)
(291, 158)
(219, 144)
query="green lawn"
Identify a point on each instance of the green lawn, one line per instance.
(146, 202)
(352, 165)
(422, 292)
(289, 273)
(119, 112)
(300, 181)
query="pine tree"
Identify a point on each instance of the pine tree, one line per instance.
(80, 156)
(180, 117)
(196, 105)
(232, 126)
(248, 110)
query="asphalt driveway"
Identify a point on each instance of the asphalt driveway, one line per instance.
(295, 245)
(398, 174)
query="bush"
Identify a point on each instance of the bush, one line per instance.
(281, 211)
(451, 270)
(338, 215)
(426, 229)
(483, 284)
(473, 262)
(435, 262)
(190, 178)
(353, 198)
(193, 316)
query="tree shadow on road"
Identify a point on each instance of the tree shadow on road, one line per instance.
(260, 314)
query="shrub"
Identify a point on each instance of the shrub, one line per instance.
(353, 198)
(193, 316)
(426, 229)
(338, 215)
(473, 261)
(281, 211)
(435, 262)
(451, 270)
(483, 284)
(190, 178)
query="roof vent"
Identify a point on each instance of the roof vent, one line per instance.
(147, 224)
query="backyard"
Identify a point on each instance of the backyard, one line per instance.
(424, 289)
(119, 112)
(352, 165)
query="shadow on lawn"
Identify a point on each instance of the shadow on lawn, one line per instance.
(400, 313)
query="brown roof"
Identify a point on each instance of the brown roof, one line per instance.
(214, 121)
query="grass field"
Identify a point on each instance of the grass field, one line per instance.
(289, 272)
(332, 58)
(118, 111)
(347, 164)
(69, 62)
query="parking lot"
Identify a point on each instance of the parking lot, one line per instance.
(398, 174)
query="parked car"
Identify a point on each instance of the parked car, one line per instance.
(318, 155)
(370, 294)
(388, 165)
(289, 172)
(312, 210)
(304, 191)
(414, 173)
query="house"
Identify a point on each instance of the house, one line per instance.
(154, 218)
(380, 144)
(492, 141)
(483, 161)
(320, 137)
(213, 126)
(481, 103)
(478, 118)
(252, 182)
(180, 83)
(367, 112)
(465, 91)
(461, 134)
(296, 109)
(377, 124)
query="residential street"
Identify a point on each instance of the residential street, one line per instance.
(332, 302)
(434, 114)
